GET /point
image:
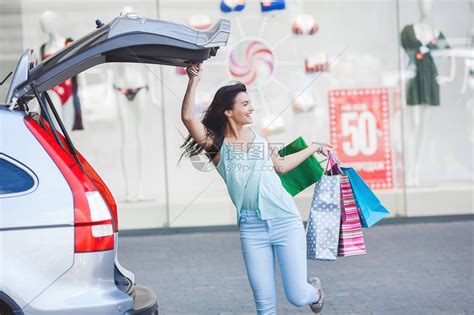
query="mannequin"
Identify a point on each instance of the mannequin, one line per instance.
(468, 82)
(133, 96)
(131, 93)
(419, 40)
(65, 96)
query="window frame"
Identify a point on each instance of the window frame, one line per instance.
(24, 168)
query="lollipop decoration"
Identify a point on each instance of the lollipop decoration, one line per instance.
(251, 62)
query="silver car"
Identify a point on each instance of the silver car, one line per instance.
(58, 219)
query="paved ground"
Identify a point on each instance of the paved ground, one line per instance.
(414, 268)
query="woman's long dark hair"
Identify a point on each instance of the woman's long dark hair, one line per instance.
(214, 121)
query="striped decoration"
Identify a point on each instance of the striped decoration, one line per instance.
(351, 240)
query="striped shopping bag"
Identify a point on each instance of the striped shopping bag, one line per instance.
(351, 240)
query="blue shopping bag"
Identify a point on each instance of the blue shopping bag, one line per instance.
(371, 209)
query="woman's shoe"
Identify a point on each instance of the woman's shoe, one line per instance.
(317, 306)
(315, 282)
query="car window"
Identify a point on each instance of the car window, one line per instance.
(15, 178)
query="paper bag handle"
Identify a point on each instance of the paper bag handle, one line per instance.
(331, 162)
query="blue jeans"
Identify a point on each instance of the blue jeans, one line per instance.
(260, 240)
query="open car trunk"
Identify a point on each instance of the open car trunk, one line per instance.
(127, 38)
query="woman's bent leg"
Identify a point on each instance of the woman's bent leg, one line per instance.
(290, 243)
(259, 261)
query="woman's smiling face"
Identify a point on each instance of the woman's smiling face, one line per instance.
(242, 112)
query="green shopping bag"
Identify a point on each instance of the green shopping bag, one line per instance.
(305, 174)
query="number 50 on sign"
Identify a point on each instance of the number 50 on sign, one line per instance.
(360, 128)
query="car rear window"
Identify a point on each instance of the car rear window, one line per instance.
(15, 178)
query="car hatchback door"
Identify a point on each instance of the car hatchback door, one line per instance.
(128, 38)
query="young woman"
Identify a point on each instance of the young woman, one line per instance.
(269, 221)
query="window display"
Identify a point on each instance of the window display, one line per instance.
(404, 122)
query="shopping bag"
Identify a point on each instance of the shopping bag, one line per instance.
(351, 239)
(305, 174)
(322, 229)
(371, 209)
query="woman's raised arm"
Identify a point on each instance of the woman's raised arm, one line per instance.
(196, 129)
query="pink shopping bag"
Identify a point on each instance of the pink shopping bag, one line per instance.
(351, 240)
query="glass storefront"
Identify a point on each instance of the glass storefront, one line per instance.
(390, 83)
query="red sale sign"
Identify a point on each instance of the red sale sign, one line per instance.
(360, 128)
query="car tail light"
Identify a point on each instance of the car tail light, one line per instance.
(96, 179)
(93, 218)
(93, 229)
(102, 188)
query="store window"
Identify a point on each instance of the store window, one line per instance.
(390, 83)
(436, 57)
